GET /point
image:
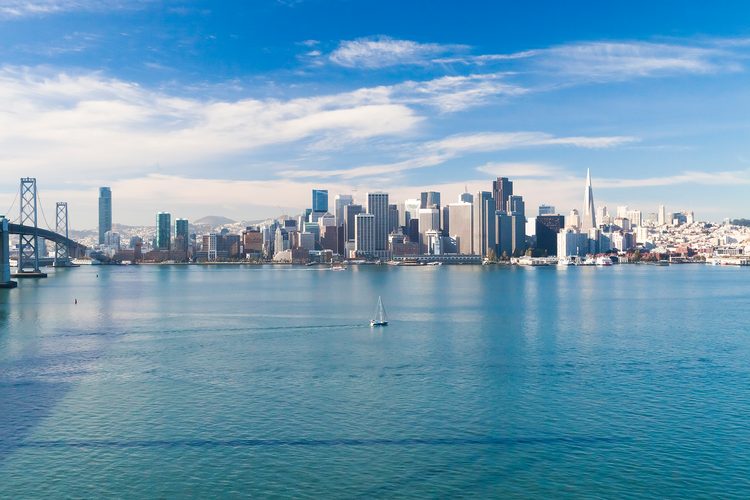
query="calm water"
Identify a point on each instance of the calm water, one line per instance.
(169, 382)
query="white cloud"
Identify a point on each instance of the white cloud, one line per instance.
(437, 152)
(19, 8)
(57, 123)
(455, 93)
(605, 61)
(519, 169)
(379, 52)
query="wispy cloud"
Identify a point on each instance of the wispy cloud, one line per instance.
(383, 51)
(20, 8)
(437, 152)
(606, 61)
(54, 121)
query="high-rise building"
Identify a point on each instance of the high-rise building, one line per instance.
(547, 227)
(635, 217)
(377, 205)
(429, 220)
(574, 221)
(461, 226)
(546, 210)
(411, 210)
(163, 231)
(392, 219)
(320, 200)
(365, 234)
(502, 188)
(338, 206)
(588, 215)
(445, 217)
(601, 213)
(516, 205)
(503, 241)
(466, 198)
(413, 230)
(110, 239)
(105, 212)
(484, 222)
(622, 211)
(181, 235)
(430, 198)
(662, 215)
(350, 212)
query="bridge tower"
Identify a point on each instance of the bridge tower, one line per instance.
(61, 227)
(5, 281)
(28, 251)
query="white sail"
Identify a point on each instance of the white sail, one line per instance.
(380, 317)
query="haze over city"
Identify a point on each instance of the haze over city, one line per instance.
(199, 108)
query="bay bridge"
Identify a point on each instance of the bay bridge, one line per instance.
(31, 236)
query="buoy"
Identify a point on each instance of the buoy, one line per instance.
(76, 301)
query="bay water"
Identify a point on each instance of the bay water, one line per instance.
(268, 382)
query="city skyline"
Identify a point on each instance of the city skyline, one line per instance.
(205, 110)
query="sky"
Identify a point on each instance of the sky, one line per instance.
(240, 109)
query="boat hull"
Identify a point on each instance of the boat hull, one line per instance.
(378, 323)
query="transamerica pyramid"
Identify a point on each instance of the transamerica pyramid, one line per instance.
(588, 215)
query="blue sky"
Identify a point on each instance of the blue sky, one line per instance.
(233, 108)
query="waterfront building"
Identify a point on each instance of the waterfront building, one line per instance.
(365, 234)
(546, 210)
(588, 214)
(110, 239)
(433, 240)
(429, 220)
(105, 212)
(593, 237)
(502, 243)
(570, 241)
(484, 222)
(518, 228)
(350, 212)
(547, 227)
(377, 205)
(320, 200)
(163, 231)
(339, 202)
(252, 242)
(502, 189)
(181, 237)
(461, 226)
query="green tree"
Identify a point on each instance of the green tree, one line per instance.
(505, 255)
(491, 255)
(636, 256)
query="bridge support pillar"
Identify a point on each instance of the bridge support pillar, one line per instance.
(62, 252)
(28, 248)
(5, 281)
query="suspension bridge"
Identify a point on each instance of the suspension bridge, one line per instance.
(31, 237)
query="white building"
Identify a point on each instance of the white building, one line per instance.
(364, 234)
(461, 226)
(377, 205)
(662, 215)
(570, 241)
(429, 220)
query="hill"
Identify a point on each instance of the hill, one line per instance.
(214, 220)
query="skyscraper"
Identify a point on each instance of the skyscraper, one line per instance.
(105, 212)
(461, 226)
(484, 222)
(339, 202)
(430, 198)
(466, 198)
(350, 211)
(320, 200)
(377, 205)
(546, 210)
(393, 219)
(429, 220)
(516, 205)
(502, 188)
(588, 214)
(662, 215)
(547, 227)
(163, 231)
(365, 234)
(181, 235)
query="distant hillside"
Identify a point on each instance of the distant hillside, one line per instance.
(214, 220)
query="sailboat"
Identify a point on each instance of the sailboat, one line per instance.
(380, 318)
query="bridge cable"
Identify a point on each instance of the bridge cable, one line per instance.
(40, 206)
(14, 202)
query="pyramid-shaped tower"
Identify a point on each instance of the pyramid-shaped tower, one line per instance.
(588, 214)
